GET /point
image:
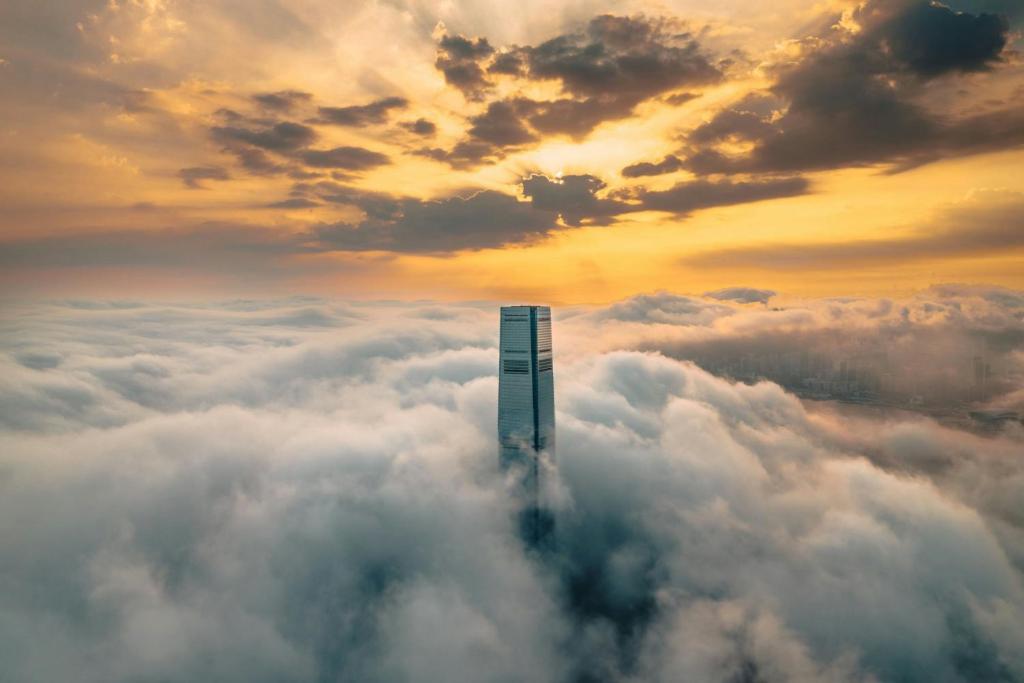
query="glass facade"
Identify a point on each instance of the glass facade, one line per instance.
(526, 386)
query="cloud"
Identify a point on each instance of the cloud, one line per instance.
(490, 219)
(291, 141)
(151, 86)
(345, 157)
(853, 98)
(422, 127)
(193, 175)
(282, 100)
(362, 115)
(990, 223)
(476, 220)
(925, 352)
(293, 203)
(615, 64)
(749, 119)
(500, 126)
(303, 489)
(689, 196)
(464, 155)
(622, 56)
(670, 164)
(458, 58)
(482, 220)
(281, 137)
(571, 116)
(664, 307)
(603, 71)
(256, 161)
(744, 295)
(573, 197)
(932, 39)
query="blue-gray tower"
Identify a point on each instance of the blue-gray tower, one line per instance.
(526, 404)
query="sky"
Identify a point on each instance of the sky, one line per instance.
(309, 490)
(250, 260)
(579, 151)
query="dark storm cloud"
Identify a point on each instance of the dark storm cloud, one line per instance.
(194, 175)
(853, 101)
(282, 137)
(344, 158)
(362, 115)
(282, 100)
(992, 224)
(303, 490)
(670, 164)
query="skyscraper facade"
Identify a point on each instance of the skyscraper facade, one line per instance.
(526, 387)
(526, 404)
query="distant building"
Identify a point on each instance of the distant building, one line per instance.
(526, 403)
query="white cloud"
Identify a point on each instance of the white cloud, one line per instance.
(244, 494)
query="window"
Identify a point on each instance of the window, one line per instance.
(544, 365)
(515, 367)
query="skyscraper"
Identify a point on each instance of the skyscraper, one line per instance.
(526, 404)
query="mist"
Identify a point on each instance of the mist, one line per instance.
(307, 489)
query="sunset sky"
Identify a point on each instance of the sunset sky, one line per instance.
(576, 152)
(254, 258)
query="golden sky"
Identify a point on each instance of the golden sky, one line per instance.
(573, 152)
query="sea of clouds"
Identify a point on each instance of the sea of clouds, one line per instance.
(308, 490)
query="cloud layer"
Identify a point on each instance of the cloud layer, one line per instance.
(308, 490)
